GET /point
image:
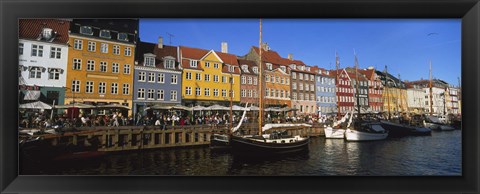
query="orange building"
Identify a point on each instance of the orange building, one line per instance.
(100, 62)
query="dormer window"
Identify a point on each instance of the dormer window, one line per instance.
(269, 66)
(122, 36)
(293, 66)
(231, 68)
(105, 34)
(149, 60)
(245, 68)
(327, 72)
(284, 69)
(308, 68)
(47, 33)
(169, 64)
(87, 30)
(193, 63)
(255, 70)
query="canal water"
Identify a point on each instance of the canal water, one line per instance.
(438, 154)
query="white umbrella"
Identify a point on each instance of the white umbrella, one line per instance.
(76, 105)
(254, 108)
(159, 107)
(113, 106)
(35, 105)
(198, 107)
(217, 107)
(180, 107)
(236, 107)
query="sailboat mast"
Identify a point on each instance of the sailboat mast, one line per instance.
(431, 90)
(260, 85)
(356, 84)
(386, 89)
(337, 64)
(231, 100)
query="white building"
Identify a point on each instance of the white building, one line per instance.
(415, 100)
(43, 53)
(439, 100)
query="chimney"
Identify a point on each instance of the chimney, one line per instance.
(160, 42)
(290, 56)
(224, 47)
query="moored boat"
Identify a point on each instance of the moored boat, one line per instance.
(366, 131)
(396, 129)
(268, 144)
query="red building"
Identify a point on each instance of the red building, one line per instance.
(344, 89)
(375, 89)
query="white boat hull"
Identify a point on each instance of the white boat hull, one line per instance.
(354, 135)
(332, 133)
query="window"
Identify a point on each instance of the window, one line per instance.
(224, 93)
(76, 86)
(312, 97)
(36, 72)
(197, 91)
(267, 78)
(255, 94)
(207, 92)
(86, 30)
(77, 44)
(294, 96)
(312, 78)
(37, 50)
(188, 91)
(243, 93)
(128, 51)
(102, 88)
(232, 80)
(104, 48)
(284, 69)
(91, 65)
(207, 64)
(250, 93)
(269, 66)
(116, 49)
(91, 46)
(198, 76)
(294, 85)
(151, 94)
(306, 96)
(89, 87)
(231, 68)
(115, 67)
(283, 80)
(151, 77)
(255, 81)
(122, 36)
(193, 63)
(207, 77)
(170, 64)
(55, 53)
(300, 76)
(141, 76)
(278, 79)
(188, 76)
(54, 74)
(294, 75)
(224, 79)
(150, 61)
(20, 48)
(126, 69)
(215, 78)
(233, 94)
(249, 80)
(160, 95)
(103, 66)
(215, 92)
(255, 70)
(300, 86)
(267, 92)
(173, 95)
(105, 34)
(126, 89)
(114, 88)
(174, 79)
(244, 80)
(161, 78)
(141, 93)
(312, 88)
(215, 65)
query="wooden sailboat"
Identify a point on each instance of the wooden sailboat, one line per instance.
(364, 130)
(266, 144)
(336, 131)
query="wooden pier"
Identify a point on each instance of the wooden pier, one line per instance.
(123, 138)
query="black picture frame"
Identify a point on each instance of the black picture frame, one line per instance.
(11, 11)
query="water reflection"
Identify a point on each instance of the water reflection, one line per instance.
(439, 154)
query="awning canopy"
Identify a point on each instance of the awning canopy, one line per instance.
(76, 105)
(217, 107)
(32, 95)
(198, 107)
(113, 106)
(35, 105)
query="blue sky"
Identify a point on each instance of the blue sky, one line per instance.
(405, 45)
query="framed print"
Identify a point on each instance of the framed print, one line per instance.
(225, 96)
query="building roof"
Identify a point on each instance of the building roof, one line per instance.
(115, 26)
(426, 83)
(250, 64)
(32, 29)
(146, 47)
(197, 54)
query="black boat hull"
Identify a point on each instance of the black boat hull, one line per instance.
(397, 130)
(246, 146)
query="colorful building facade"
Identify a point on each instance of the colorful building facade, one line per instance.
(100, 61)
(325, 92)
(157, 76)
(249, 82)
(375, 90)
(209, 77)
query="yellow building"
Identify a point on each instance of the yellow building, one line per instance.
(206, 77)
(100, 62)
(395, 99)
